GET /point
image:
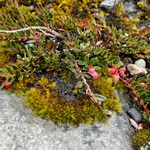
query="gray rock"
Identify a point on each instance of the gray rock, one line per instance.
(109, 4)
(135, 114)
(135, 70)
(140, 63)
(20, 130)
(130, 7)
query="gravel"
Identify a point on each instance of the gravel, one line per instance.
(20, 130)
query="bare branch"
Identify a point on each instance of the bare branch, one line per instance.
(46, 34)
(90, 93)
(33, 28)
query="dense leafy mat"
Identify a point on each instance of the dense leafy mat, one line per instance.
(45, 42)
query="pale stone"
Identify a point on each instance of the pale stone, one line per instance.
(140, 63)
(136, 70)
(109, 4)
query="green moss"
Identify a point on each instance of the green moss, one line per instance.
(22, 86)
(44, 83)
(119, 9)
(25, 13)
(143, 6)
(65, 75)
(3, 59)
(14, 15)
(48, 106)
(104, 87)
(4, 55)
(140, 138)
(75, 8)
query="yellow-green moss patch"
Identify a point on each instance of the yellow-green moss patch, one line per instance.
(47, 105)
(140, 138)
(104, 87)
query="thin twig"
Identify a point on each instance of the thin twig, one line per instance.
(33, 28)
(46, 34)
(90, 93)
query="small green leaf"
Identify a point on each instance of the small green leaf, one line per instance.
(86, 76)
(10, 70)
(145, 116)
(86, 59)
(97, 67)
(80, 62)
(79, 84)
(97, 51)
(1, 72)
(20, 77)
(11, 80)
(100, 98)
(73, 70)
(2, 84)
(94, 61)
(15, 67)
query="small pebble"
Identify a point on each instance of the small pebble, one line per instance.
(135, 114)
(108, 4)
(140, 63)
(136, 70)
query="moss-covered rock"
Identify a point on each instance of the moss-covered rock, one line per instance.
(140, 138)
(47, 105)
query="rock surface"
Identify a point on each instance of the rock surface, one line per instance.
(130, 7)
(140, 63)
(136, 70)
(20, 130)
